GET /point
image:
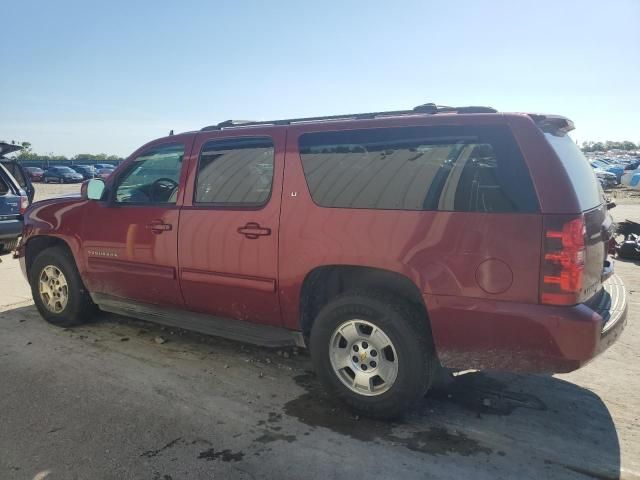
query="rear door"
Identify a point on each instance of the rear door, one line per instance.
(228, 238)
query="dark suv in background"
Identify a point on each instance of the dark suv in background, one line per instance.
(390, 243)
(60, 174)
(87, 171)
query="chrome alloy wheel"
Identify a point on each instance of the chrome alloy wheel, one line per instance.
(54, 291)
(363, 357)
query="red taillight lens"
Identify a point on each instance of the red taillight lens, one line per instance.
(24, 203)
(563, 260)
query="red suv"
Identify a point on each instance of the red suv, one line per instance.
(389, 243)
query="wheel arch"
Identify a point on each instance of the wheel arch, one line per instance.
(39, 243)
(323, 283)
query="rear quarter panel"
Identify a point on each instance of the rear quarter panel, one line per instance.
(443, 253)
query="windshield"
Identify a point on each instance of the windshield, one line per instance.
(580, 172)
(64, 170)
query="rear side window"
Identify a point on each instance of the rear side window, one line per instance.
(582, 176)
(466, 169)
(235, 172)
(4, 188)
(16, 171)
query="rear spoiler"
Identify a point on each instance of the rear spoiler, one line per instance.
(554, 124)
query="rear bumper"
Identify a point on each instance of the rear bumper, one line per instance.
(10, 229)
(483, 334)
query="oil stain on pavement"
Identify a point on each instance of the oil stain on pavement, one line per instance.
(316, 408)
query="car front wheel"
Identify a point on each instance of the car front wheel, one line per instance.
(374, 351)
(57, 289)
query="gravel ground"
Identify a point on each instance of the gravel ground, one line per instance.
(107, 401)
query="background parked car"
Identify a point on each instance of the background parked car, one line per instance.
(58, 174)
(631, 179)
(104, 173)
(104, 165)
(35, 173)
(87, 171)
(607, 179)
(617, 170)
(16, 169)
(13, 203)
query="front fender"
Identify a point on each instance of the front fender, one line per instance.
(59, 218)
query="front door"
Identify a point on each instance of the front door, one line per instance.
(228, 238)
(130, 238)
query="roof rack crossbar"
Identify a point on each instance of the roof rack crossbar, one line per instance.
(427, 108)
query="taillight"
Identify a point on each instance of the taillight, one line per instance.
(24, 203)
(563, 260)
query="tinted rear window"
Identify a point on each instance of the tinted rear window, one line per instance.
(467, 169)
(4, 188)
(235, 172)
(15, 170)
(579, 170)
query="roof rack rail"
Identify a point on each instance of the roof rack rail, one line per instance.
(427, 108)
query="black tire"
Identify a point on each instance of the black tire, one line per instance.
(79, 307)
(409, 332)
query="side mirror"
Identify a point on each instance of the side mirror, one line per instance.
(95, 189)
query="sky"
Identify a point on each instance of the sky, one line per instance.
(106, 77)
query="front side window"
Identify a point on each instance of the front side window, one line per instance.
(235, 172)
(468, 169)
(153, 177)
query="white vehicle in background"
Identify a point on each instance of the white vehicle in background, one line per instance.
(631, 179)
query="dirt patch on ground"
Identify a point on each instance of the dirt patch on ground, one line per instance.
(317, 409)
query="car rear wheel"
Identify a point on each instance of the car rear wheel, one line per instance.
(57, 289)
(374, 351)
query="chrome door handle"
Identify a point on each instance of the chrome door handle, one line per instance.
(158, 226)
(253, 230)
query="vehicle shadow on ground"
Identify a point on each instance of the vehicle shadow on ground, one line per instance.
(547, 420)
(627, 260)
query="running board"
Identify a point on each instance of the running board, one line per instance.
(238, 330)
